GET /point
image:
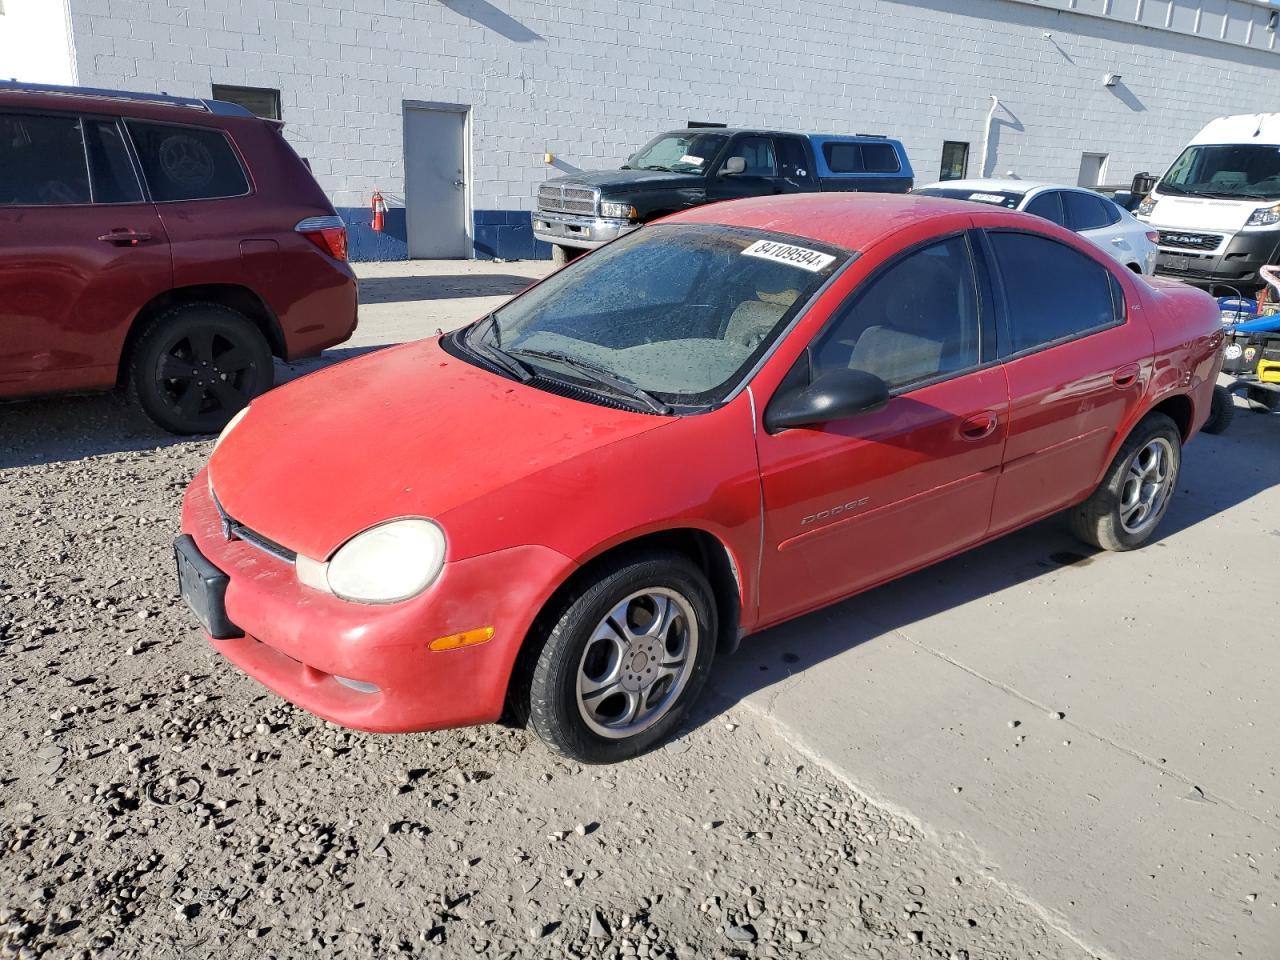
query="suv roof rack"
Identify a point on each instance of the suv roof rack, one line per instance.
(221, 107)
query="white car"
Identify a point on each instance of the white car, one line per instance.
(1110, 227)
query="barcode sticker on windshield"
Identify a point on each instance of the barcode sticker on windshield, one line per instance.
(987, 197)
(810, 260)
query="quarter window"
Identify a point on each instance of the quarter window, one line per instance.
(42, 161)
(1051, 291)
(791, 159)
(187, 163)
(916, 321)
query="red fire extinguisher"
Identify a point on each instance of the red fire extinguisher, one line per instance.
(379, 211)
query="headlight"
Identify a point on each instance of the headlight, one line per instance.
(1148, 205)
(392, 561)
(1264, 217)
(231, 425)
(618, 211)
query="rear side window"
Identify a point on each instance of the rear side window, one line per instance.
(42, 161)
(791, 159)
(1051, 292)
(114, 179)
(1049, 206)
(861, 157)
(187, 163)
(1087, 212)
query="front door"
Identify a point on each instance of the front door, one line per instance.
(759, 175)
(81, 251)
(852, 503)
(435, 138)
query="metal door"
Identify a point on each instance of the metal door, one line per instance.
(1093, 167)
(435, 155)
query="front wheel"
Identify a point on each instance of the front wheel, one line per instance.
(623, 660)
(560, 254)
(1123, 513)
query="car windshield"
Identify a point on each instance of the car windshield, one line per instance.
(678, 152)
(1230, 171)
(1008, 199)
(680, 311)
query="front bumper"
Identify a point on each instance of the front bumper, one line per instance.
(571, 230)
(298, 641)
(1236, 264)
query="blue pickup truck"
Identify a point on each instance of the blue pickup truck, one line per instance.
(686, 168)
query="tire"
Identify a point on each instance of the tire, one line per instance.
(170, 360)
(601, 638)
(1221, 411)
(1114, 518)
(561, 255)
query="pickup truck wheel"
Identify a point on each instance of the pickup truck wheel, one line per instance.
(1123, 513)
(196, 365)
(560, 255)
(1221, 410)
(624, 659)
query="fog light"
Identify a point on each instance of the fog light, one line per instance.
(358, 685)
(468, 639)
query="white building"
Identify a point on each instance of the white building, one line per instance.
(383, 94)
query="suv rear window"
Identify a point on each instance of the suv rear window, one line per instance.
(42, 160)
(187, 163)
(861, 157)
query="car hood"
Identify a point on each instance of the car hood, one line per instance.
(1202, 213)
(624, 180)
(407, 431)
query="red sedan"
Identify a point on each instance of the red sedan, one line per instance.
(563, 511)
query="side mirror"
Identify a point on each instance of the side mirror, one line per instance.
(733, 166)
(833, 396)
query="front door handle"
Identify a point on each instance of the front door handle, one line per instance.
(1126, 376)
(124, 237)
(979, 426)
(459, 183)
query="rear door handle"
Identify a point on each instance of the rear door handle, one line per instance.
(124, 237)
(1126, 376)
(979, 426)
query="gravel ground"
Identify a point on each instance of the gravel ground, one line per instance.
(156, 803)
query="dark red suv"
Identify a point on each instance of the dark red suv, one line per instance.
(165, 245)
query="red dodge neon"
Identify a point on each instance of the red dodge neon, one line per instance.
(727, 419)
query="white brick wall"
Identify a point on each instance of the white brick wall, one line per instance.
(590, 80)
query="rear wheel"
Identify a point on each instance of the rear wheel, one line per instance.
(196, 365)
(1123, 513)
(1221, 411)
(624, 659)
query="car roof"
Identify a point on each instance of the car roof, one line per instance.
(854, 221)
(1006, 185)
(733, 131)
(126, 103)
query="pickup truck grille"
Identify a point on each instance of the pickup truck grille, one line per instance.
(567, 198)
(1190, 241)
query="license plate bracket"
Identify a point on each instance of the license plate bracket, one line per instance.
(204, 588)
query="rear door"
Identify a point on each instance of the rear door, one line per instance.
(1098, 220)
(81, 251)
(1077, 357)
(854, 502)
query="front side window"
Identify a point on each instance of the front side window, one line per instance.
(187, 163)
(1229, 172)
(681, 311)
(915, 321)
(42, 160)
(1051, 291)
(757, 152)
(686, 152)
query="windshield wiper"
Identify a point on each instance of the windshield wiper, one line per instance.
(658, 167)
(495, 354)
(602, 377)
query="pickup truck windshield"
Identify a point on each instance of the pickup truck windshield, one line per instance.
(678, 152)
(1231, 171)
(681, 311)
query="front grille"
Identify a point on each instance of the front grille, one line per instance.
(1190, 241)
(567, 198)
(233, 529)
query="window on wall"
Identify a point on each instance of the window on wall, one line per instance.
(955, 160)
(258, 100)
(701, 124)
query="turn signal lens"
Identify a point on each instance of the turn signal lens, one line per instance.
(468, 639)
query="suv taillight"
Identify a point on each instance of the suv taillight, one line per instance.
(327, 233)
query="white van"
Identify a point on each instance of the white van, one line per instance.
(1217, 209)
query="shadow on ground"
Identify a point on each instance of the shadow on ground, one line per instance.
(374, 290)
(57, 429)
(1220, 473)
